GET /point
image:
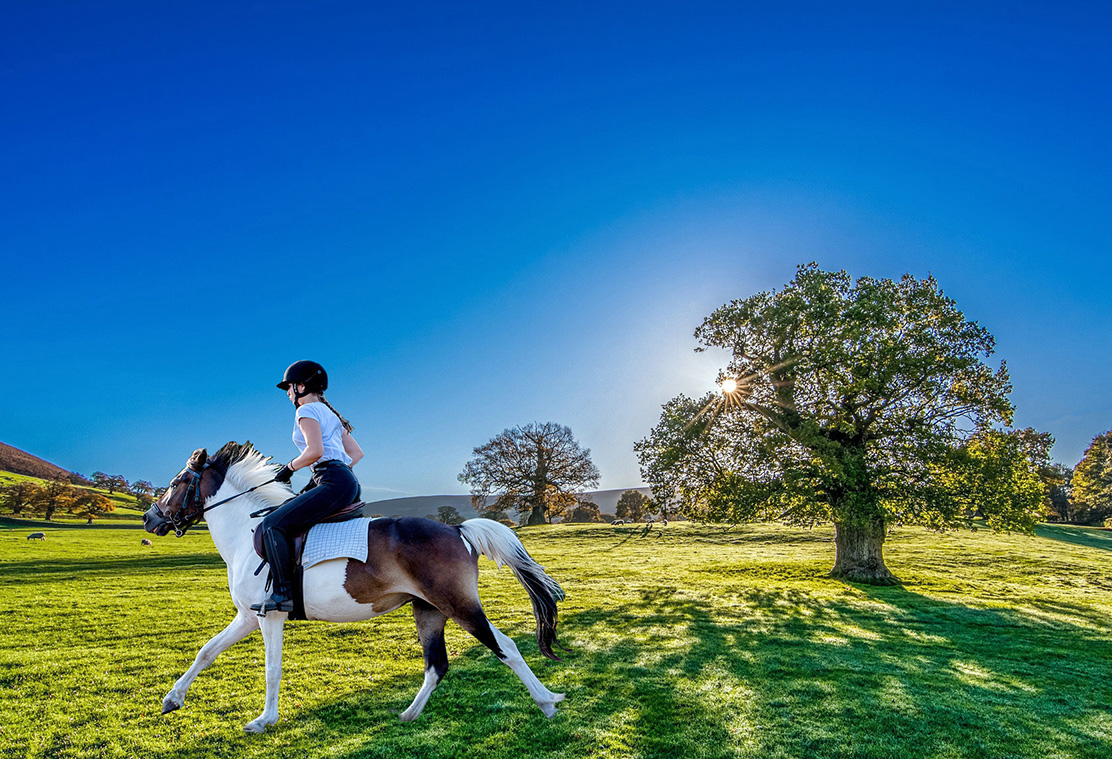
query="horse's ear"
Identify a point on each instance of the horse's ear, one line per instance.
(198, 459)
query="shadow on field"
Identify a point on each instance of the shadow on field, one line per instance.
(32, 571)
(768, 673)
(1091, 537)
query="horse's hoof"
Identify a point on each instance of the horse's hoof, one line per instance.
(548, 709)
(259, 724)
(169, 705)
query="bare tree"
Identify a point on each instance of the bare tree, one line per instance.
(534, 469)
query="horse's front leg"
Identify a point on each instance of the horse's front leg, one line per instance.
(240, 627)
(272, 626)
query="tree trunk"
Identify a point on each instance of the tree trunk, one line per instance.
(859, 553)
(536, 516)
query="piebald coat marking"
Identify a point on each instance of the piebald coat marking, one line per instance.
(418, 561)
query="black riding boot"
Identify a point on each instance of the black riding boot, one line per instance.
(279, 555)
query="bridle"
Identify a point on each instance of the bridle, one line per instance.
(184, 518)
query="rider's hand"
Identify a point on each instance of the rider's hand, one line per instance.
(284, 474)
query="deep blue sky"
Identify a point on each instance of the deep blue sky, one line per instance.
(478, 215)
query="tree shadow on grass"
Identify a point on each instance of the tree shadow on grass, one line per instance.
(772, 673)
(38, 569)
(1089, 537)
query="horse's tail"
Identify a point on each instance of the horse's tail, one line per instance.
(499, 544)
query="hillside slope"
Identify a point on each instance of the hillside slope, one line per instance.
(20, 462)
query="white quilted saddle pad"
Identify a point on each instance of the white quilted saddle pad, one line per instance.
(335, 541)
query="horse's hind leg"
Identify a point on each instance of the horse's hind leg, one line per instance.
(476, 623)
(240, 627)
(430, 629)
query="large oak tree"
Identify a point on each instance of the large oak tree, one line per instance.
(535, 469)
(864, 403)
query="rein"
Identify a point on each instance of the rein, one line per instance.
(183, 521)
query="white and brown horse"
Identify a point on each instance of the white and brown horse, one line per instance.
(421, 562)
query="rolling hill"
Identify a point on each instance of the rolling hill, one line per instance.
(20, 462)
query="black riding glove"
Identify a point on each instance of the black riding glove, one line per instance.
(284, 474)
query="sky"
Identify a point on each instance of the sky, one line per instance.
(480, 215)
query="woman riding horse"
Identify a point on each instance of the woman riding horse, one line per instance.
(324, 440)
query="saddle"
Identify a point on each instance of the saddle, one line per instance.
(352, 511)
(297, 542)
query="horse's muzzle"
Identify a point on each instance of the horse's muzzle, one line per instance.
(155, 522)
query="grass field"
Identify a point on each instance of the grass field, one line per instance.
(691, 641)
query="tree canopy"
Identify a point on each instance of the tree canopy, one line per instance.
(535, 469)
(1092, 481)
(585, 511)
(852, 402)
(633, 505)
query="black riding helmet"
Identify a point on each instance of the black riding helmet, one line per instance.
(307, 373)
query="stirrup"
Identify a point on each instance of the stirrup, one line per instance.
(274, 603)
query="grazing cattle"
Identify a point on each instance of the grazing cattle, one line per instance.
(617, 522)
(37, 536)
(147, 542)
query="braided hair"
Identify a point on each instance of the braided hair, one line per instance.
(346, 424)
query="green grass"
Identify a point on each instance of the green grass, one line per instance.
(690, 642)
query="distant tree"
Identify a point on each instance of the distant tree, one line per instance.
(118, 482)
(55, 495)
(19, 495)
(86, 503)
(76, 478)
(495, 514)
(607, 517)
(1059, 486)
(448, 515)
(846, 401)
(633, 505)
(585, 511)
(1092, 482)
(102, 480)
(143, 492)
(535, 469)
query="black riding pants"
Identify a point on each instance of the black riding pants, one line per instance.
(332, 487)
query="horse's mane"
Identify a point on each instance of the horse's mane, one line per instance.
(246, 468)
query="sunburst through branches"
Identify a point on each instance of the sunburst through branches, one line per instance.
(735, 393)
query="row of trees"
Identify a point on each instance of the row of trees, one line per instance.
(26, 498)
(72, 495)
(865, 404)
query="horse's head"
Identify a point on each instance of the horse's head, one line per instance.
(182, 505)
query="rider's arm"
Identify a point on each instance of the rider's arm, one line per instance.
(351, 448)
(314, 444)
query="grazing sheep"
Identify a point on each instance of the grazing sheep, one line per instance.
(37, 536)
(617, 522)
(147, 542)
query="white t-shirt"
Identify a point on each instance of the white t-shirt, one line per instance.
(331, 431)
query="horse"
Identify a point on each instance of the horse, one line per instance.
(421, 562)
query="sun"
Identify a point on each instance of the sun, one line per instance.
(729, 386)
